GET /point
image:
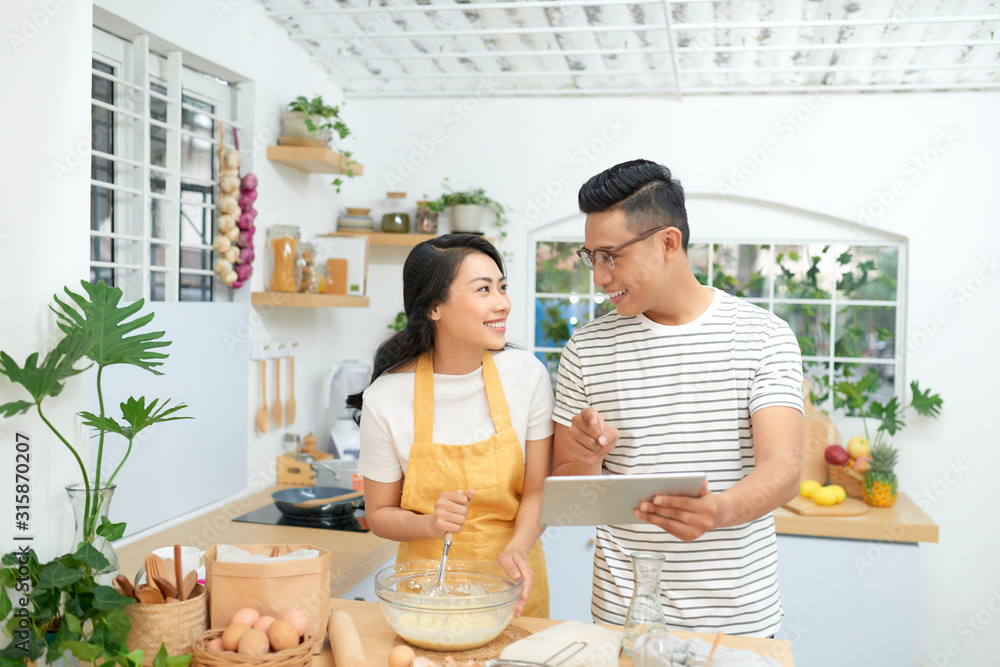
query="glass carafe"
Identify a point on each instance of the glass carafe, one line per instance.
(645, 611)
(653, 649)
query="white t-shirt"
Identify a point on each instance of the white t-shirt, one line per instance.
(461, 412)
(682, 398)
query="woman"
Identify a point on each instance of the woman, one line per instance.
(456, 430)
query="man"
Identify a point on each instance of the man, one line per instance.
(682, 378)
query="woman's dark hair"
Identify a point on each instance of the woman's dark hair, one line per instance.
(428, 272)
(646, 193)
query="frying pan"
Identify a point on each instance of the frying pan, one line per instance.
(289, 502)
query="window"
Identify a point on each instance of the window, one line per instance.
(841, 300)
(155, 125)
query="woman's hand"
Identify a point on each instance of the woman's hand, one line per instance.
(450, 511)
(514, 561)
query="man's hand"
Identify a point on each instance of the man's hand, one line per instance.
(514, 562)
(683, 517)
(450, 510)
(590, 439)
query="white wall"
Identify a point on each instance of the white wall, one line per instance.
(836, 155)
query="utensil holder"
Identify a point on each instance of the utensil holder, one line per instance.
(175, 624)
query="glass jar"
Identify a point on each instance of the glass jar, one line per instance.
(322, 278)
(653, 649)
(395, 218)
(305, 269)
(427, 220)
(645, 611)
(282, 243)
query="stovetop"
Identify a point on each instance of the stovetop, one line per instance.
(272, 516)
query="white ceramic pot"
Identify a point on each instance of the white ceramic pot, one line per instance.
(466, 218)
(293, 124)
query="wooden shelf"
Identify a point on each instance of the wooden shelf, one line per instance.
(312, 159)
(378, 238)
(296, 300)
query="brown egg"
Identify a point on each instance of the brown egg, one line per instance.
(298, 619)
(245, 615)
(215, 645)
(263, 623)
(253, 642)
(282, 635)
(231, 636)
(401, 656)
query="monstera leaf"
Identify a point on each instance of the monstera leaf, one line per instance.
(47, 379)
(108, 326)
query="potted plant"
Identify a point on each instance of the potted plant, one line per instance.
(316, 122)
(467, 208)
(61, 612)
(871, 455)
(95, 327)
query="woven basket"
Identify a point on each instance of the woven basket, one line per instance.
(176, 624)
(300, 656)
(851, 480)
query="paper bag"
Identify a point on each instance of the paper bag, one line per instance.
(270, 588)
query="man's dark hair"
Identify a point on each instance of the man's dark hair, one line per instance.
(644, 191)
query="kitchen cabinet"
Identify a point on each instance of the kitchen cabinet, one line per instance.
(569, 560)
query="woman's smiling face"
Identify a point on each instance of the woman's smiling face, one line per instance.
(475, 313)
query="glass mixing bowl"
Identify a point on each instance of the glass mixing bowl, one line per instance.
(479, 606)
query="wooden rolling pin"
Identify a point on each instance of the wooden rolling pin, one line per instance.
(344, 640)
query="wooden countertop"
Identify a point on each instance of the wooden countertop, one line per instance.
(903, 522)
(353, 556)
(377, 637)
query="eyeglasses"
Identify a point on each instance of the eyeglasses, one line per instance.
(606, 258)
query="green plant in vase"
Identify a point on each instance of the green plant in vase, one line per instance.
(322, 121)
(95, 327)
(472, 197)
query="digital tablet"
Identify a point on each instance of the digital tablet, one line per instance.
(595, 500)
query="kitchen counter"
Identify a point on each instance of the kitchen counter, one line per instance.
(353, 556)
(377, 637)
(903, 522)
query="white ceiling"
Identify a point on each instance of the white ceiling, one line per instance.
(401, 48)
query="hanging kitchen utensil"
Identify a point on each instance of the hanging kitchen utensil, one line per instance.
(290, 408)
(262, 416)
(436, 587)
(276, 410)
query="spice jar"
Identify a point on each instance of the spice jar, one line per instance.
(427, 220)
(305, 269)
(282, 243)
(395, 218)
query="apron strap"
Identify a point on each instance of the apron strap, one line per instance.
(423, 397)
(494, 392)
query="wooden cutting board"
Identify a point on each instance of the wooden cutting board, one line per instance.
(818, 432)
(808, 507)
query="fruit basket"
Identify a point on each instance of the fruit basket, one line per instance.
(300, 656)
(850, 479)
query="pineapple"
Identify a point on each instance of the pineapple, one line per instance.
(880, 480)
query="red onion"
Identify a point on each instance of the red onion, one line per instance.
(249, 182)
(243, 271)
(245, 239)
(246, 220)
(246, 255)
(247, 199)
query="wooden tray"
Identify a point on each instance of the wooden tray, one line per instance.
(808, 507)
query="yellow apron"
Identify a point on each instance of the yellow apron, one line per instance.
(494, 467)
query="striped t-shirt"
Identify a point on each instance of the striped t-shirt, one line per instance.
(682, 398)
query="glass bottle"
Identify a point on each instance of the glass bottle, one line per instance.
(427, 220)
(282, 243)
(87, 516)
(653, 649)
(305, 269)
(645, 611)
(395, 218)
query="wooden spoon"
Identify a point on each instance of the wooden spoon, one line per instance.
(323, 501)
(125, 586)
(167, 588)
(262, 417)
(152, 569)
(178, 576)
(290, 408)
(150, 595)
(715, 645)
(190, 580)
(276, 410)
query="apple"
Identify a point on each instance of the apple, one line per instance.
(858, 446)
(836, 455)
(862, 463)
